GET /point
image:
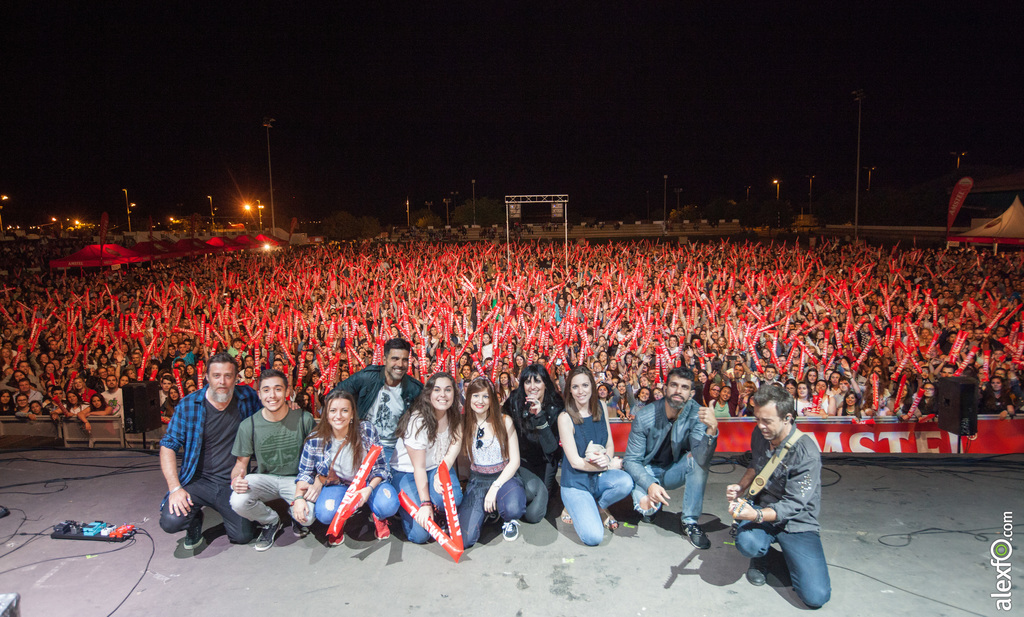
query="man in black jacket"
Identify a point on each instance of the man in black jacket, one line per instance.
(384, 393)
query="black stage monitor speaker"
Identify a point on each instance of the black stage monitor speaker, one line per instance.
(141, 406)
(957, 405)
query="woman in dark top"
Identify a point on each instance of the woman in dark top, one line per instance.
(534, 407)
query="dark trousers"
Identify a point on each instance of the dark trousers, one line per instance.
(510, 504)
(804, 556)
(538, 483)
(215, 494)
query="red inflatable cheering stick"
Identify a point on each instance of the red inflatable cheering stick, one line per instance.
(455, 550)
(348, 502)
(449, 506)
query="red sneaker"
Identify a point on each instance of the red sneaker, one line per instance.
(383, 531)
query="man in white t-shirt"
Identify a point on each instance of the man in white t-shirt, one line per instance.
(113, 394)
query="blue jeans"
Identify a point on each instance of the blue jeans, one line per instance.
(804, 555)
(583, 506)
(383, 502)
(407, 482)
(510, 504)
(685, 471)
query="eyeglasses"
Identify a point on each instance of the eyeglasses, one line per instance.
(479, 437)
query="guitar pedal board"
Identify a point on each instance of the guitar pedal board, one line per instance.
(96, 531)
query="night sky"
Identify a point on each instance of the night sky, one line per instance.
(373, 105)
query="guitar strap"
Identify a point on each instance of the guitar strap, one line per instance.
(761, 480)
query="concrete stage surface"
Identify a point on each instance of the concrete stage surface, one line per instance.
(903, 536)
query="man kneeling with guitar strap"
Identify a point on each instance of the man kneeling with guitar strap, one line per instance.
(782, 502)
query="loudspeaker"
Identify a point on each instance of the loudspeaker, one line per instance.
(141, 406)
(957, 405)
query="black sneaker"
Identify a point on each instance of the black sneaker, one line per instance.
(300, 530)
(267, 534)
(194, 533)
(756, 572)
(696, 536)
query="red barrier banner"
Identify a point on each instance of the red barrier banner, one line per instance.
(995, 436)
(348, 502)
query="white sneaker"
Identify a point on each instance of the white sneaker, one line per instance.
(510, 530)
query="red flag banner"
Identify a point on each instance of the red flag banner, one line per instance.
(956, 199)
(104, 225)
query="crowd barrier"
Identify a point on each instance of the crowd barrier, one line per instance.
(885, 436)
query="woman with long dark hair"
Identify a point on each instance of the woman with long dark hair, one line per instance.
(592, 476)
(534, 407)
(431, 432)
(331, 456)
(493, 451)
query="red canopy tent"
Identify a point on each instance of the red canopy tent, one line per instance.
(223, 243)
(265, 239)
(157, 249)
(246, 241)
(191, 246)
(92, 257)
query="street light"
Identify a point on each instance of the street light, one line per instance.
(268, 123)
(748, 192)
(211, 212)
(810, 194)
(446, 201)
(869, 170)
(958, 155)
(858, 95)
(778, 185)
(664, 201)
(248, 210)
(128, 209)
(474, 201)
(3, 198)
(407, 222)
(259, 208)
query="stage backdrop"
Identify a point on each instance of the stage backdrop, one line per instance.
(840, 435)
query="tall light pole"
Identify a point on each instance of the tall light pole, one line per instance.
(3, 198)
(778, 185)
(268, 123)
(447, 220)
(259, 209)
(810, 194)
(858, 95)
(210, 197)
(407, 222)
(958, 155)
(128, 209)
(677, 192)
(664, 201)
(474, 201)
(748, 192)
(869, 170)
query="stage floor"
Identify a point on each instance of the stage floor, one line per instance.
(870, 505)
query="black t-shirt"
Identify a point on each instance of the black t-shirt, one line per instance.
(219, 430)
(663, 457)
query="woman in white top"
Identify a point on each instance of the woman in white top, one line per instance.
(430, 433)
(492, 446)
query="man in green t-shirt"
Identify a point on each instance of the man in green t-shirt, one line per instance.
(275, 436)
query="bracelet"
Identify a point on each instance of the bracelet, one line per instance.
(173, 490)
(298, 497)
(760, 516)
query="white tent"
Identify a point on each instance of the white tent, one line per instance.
(1007, 228)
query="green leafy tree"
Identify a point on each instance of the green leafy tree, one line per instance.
(425, 218)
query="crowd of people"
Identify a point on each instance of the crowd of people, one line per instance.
(850, 331)
(431, 354)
